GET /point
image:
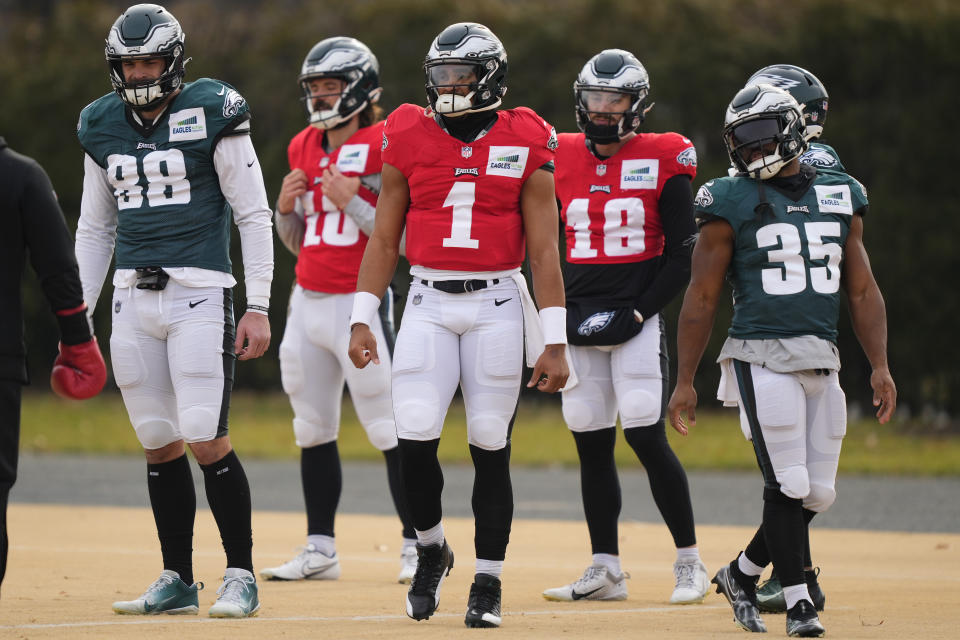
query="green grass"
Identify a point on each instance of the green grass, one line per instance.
(260, 426)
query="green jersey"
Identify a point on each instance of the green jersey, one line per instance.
(823, 157)
(171, 211)
(787, 259)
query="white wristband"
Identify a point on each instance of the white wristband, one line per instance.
(365, 306)
(553, 321)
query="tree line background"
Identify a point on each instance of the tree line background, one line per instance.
(890, 67)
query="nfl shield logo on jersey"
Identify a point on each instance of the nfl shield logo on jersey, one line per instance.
(466, 152)
(601, 169)
(417, 299)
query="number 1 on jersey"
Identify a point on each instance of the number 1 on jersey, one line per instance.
(461, 198)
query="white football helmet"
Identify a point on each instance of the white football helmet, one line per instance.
(763, 130)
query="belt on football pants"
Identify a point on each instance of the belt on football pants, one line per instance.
(459, 286)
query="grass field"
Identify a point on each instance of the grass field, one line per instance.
(260, 427)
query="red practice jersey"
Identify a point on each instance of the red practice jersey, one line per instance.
(333, 243)
(464, 210)
(609, 207)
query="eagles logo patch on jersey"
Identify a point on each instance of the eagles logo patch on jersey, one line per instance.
(596, 322)
(553, 141)
(704, 197)
(232, 103)
(688, 157)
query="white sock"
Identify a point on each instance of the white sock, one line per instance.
(433, 535)
(324, 544)
(407, 543)
(747, 567)
(608, 560)
(795, 593)
(688, 555)
(490, 567)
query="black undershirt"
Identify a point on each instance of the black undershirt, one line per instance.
(650, 285)
(469, 127)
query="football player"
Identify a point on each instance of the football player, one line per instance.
(165, 165)
(810, 93)
(627, 206)
(788, 237)
(324, 216)
(473, 185)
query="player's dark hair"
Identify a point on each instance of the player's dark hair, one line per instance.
(372, 114)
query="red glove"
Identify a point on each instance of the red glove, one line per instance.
(79, 372)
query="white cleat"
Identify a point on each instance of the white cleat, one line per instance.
(309, 564)
(597, 583)
(408, 564)
(693, 582)
(237, 597)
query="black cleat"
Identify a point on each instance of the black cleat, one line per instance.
(770, 594)
(802, 621)
(433, 565)
(743, 599)
(483, 606)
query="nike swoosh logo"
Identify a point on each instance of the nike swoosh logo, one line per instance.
(193, 304)
(581, 596)
(500, 302)
(222, 90)
(250, 164)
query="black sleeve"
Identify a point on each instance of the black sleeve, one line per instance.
(51, 253)
(679, 231)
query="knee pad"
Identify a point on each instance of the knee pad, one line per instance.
(416, 411)
(820, 498)
(312, 433)
(487, 432)
(382, 434)
(794, 481)
(155, 433)
(198, 424)
(640, 408)
(577, 414)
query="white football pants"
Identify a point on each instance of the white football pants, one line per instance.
(314, 365)
(473, 339)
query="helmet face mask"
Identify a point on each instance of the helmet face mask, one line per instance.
(764, 130)
(351, 62)
(466, 70)
(611, 96)
(806, 89)
(142, 32)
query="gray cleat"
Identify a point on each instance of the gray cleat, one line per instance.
(742, 599)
